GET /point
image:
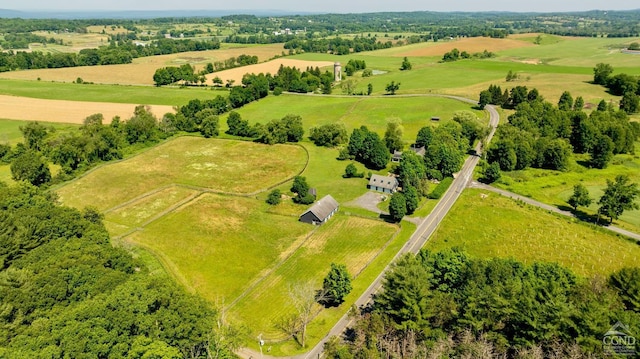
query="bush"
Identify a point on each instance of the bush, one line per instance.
(274, 197)
(441, 188)
(277, 91)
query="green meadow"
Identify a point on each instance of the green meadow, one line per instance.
(487, 225)
(355, 111)
(148, 95)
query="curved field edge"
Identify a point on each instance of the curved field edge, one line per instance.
(487, 225)
(225, 166)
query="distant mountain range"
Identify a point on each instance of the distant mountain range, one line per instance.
(141, 14)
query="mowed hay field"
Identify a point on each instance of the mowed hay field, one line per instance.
(141, 71)
(62, 111)
(219, 165)
(495, 226)
(271, 67)
(470, 45)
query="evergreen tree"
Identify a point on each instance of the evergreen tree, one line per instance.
(397, 206)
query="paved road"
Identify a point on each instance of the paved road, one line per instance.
(554, 209)
(413, 245)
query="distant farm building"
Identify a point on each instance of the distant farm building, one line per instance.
(435, 118)
(383, 184)
(397, 155)
(320, 212)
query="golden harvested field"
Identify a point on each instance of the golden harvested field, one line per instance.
(141, 71)
(75, 41)
(470, 45)
(271, 67)
(31, 109)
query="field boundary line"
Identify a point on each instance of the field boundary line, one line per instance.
(277, 265)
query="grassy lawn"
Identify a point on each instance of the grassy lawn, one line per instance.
(220, 165)
(147, 95)
(347, 240)
(496, 226)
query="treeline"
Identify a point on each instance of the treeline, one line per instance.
(22, 40)
(542, 135)
(115, 53)
(172, 74)
(75, 152)
(622, 84)
(455, 55)
(448, 304)
(337, 45)
(67, 292)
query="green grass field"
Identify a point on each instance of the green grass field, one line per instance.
(347, 240)
(10, 130)
(147, 95)
(353, 112)
(496, 226)
(555, 187)
(219, 165)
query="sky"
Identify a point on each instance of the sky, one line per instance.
(334, 6)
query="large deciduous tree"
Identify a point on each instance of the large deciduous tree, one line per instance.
(619, 196)
(397, 206)
(601, 73)
(337, 284)
(30, 167)
(393, 136)
(580, 197)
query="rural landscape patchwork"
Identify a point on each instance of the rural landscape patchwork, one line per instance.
(355, 185)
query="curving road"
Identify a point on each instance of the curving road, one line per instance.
(422, 234)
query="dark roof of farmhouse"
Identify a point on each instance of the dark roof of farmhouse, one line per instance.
(383, 182)
(323, 208)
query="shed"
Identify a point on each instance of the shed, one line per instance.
(435, 118)
(383, 184)
(420, 151)
(321, 211)
(397, 156)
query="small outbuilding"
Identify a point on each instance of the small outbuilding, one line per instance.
(397, 156)
(321, 211)
(385, 184)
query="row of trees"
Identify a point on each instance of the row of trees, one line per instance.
(449, 304)
(542, 135)
(622, 84)
(620, 195)
(455, 55)
(92, 143)
(67, 292)
(115, 53)
(337, 45)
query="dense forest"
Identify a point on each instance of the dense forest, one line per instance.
(67, 291)
(447, 304)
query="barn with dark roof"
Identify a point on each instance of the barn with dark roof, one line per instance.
(321, 211)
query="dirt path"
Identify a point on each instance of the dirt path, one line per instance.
(62, 111)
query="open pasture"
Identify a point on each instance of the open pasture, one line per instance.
(470, 45)
(218, 165)
(555, 187)
(141, 71)
(353, 112)
(77, 41)
(495, 226)
(221, 244)
(61, 111)
(347, 240)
